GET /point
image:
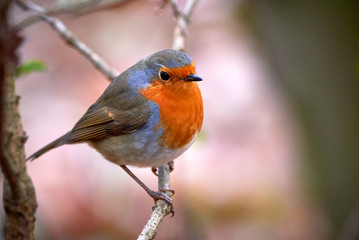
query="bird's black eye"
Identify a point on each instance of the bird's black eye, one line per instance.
(164, 76)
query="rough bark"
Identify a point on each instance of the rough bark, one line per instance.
(18, 192)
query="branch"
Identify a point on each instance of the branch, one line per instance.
(18, 192)
(162, 208)
(77, 7)
(53, 10)
(183, 19)
(71, 39)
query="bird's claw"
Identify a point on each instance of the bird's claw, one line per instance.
(172, 191)
(160, 195)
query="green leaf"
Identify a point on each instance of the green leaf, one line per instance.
(29, 67)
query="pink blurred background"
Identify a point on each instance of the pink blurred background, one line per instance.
(240, 180)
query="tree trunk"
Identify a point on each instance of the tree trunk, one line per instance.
(18, 192)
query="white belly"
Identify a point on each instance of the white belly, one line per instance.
(129, 150)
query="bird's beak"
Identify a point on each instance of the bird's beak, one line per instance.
(192, 78)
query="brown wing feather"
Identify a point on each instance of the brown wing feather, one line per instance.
(92, 118)
(104, 122)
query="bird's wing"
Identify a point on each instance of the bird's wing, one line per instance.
(101, 122)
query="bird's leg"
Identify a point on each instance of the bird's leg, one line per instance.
(171, 166)
(155, 195)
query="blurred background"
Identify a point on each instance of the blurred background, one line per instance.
(278, 154)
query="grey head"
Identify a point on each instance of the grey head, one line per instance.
(145, 71)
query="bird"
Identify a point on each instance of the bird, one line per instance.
(147, 116)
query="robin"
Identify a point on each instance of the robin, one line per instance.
(148, 116)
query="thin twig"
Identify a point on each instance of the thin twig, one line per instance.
(175, 9)
(52, 11)
(189, 7)
(71, 39)
(183, 18)
(76, 7)
(161, 209)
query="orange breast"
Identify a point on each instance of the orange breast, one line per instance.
(181, 110)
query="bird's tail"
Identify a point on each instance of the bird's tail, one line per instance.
(58, 142)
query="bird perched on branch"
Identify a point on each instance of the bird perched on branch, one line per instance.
(148, 116)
